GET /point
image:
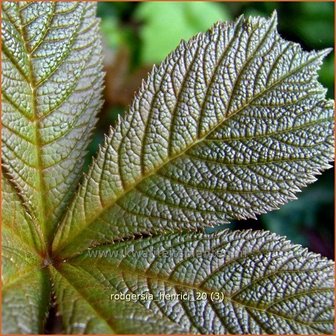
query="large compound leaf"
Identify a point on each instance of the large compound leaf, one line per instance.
(51, 88)
(25, 285)
(230, 125)
(233, 282)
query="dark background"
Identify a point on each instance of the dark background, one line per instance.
(137, 35)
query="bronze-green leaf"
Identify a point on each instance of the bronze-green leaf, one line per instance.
(230, 125)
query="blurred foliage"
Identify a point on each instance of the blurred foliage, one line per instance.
(137, 35)
(165, 24)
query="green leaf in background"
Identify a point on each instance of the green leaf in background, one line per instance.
(169, 22)
(229, 283)
(315, 25)
(112, 33)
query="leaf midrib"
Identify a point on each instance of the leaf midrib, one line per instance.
(39, 168)
(36, 119)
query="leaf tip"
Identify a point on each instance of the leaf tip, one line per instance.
(325, 52)
(274, 17)
(240, 20)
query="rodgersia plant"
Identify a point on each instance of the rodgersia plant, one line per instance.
(231, 125)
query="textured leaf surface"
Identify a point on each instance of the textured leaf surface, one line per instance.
(51, 88)
(265, 285)
(25, 287)
(230, 125)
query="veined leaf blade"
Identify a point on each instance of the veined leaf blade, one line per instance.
(231, 282)
(230, 125)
